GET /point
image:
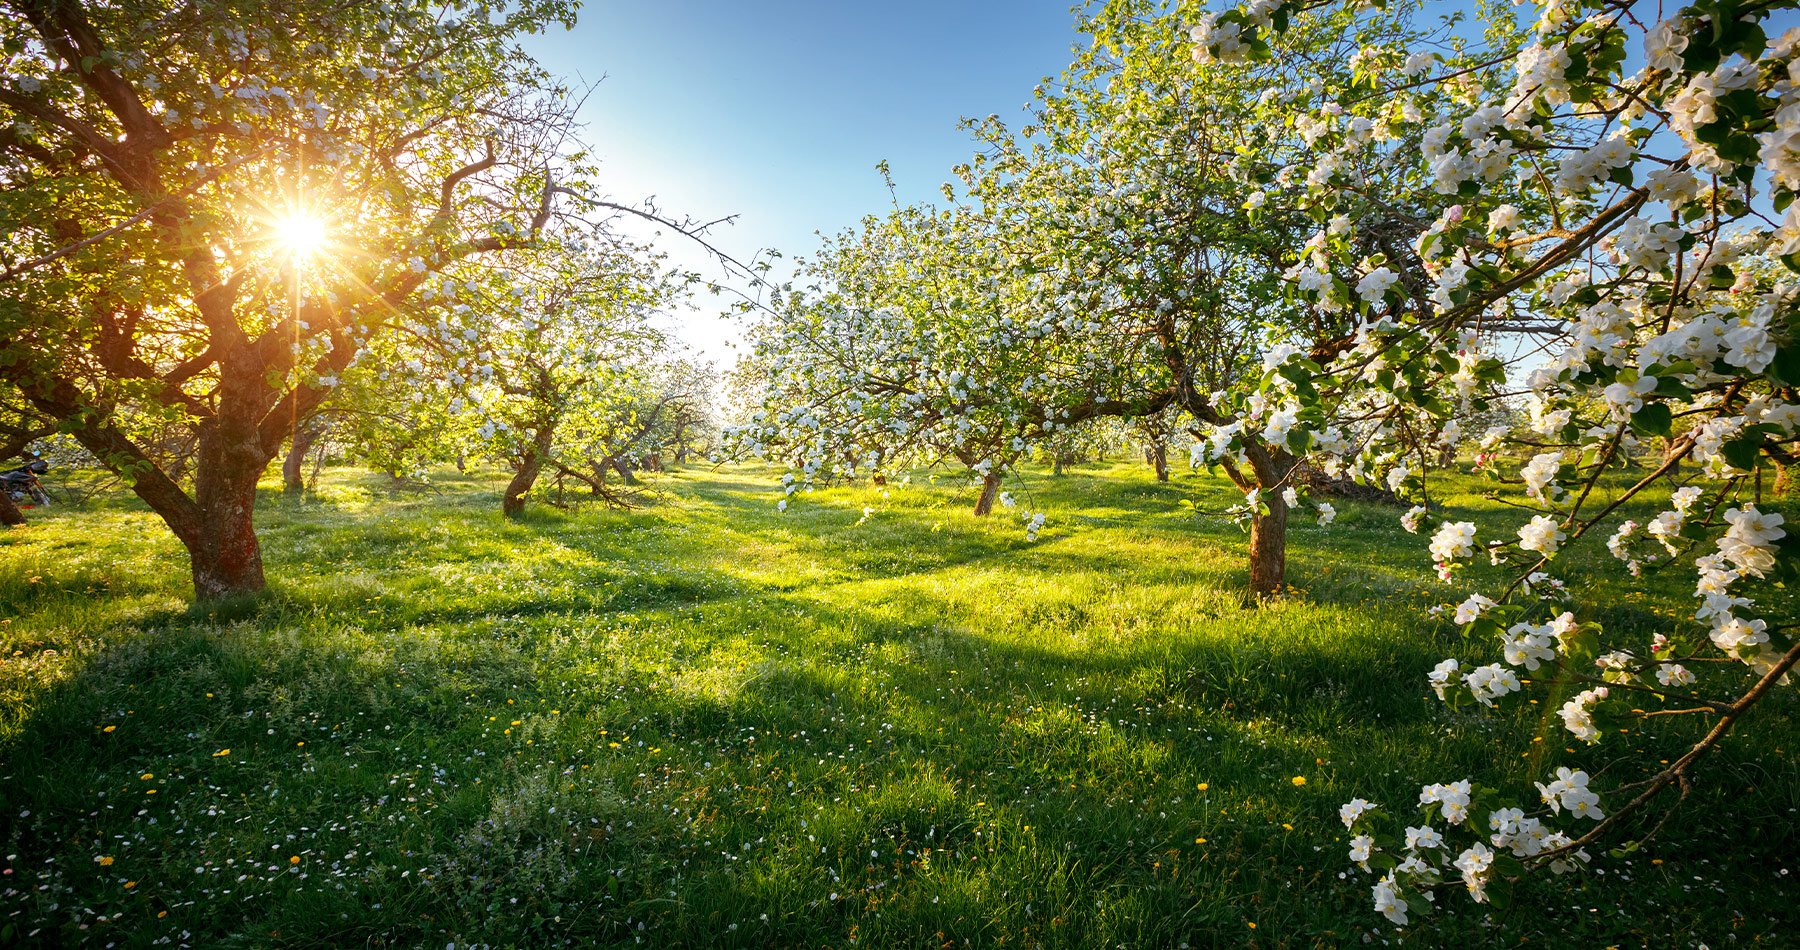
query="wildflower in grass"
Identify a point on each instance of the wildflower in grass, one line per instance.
(105, 861)
(1299, 780)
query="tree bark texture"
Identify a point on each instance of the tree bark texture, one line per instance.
(990, 489)
(1268, 548)
(9, 512)
(512, 504)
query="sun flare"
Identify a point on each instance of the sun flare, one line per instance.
(301, 234)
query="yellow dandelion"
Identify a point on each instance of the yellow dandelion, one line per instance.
(146, 776)
(1299, 780)
(294, 860)
(221, 752)
(109, 728)
(106, 862)
(1203, 786)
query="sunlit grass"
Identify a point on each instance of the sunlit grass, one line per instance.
(709, 723)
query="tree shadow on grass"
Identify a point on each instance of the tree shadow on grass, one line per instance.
(1025, 772)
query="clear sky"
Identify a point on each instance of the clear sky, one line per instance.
(778, 111)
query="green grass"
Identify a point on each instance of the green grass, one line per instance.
(711, 724)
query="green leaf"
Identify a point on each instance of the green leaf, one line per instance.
(1784, 370)
(1741, 453)
(1584, 645)
(1654, 418)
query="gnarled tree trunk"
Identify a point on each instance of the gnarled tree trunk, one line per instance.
(1159, 459)
(512, 504)
(9, 512)
(293, 475)
(225, 556)
(218, 527)
(990, 489)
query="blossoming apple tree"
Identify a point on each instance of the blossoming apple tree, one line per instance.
(1153, 230)
(918, 343)
(1621, 188)
(523, 360)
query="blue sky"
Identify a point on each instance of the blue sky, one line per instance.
(778, 111)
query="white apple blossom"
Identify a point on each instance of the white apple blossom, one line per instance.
(1541, 534)
(1453, 541)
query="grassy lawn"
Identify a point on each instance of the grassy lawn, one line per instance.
(708, 723)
